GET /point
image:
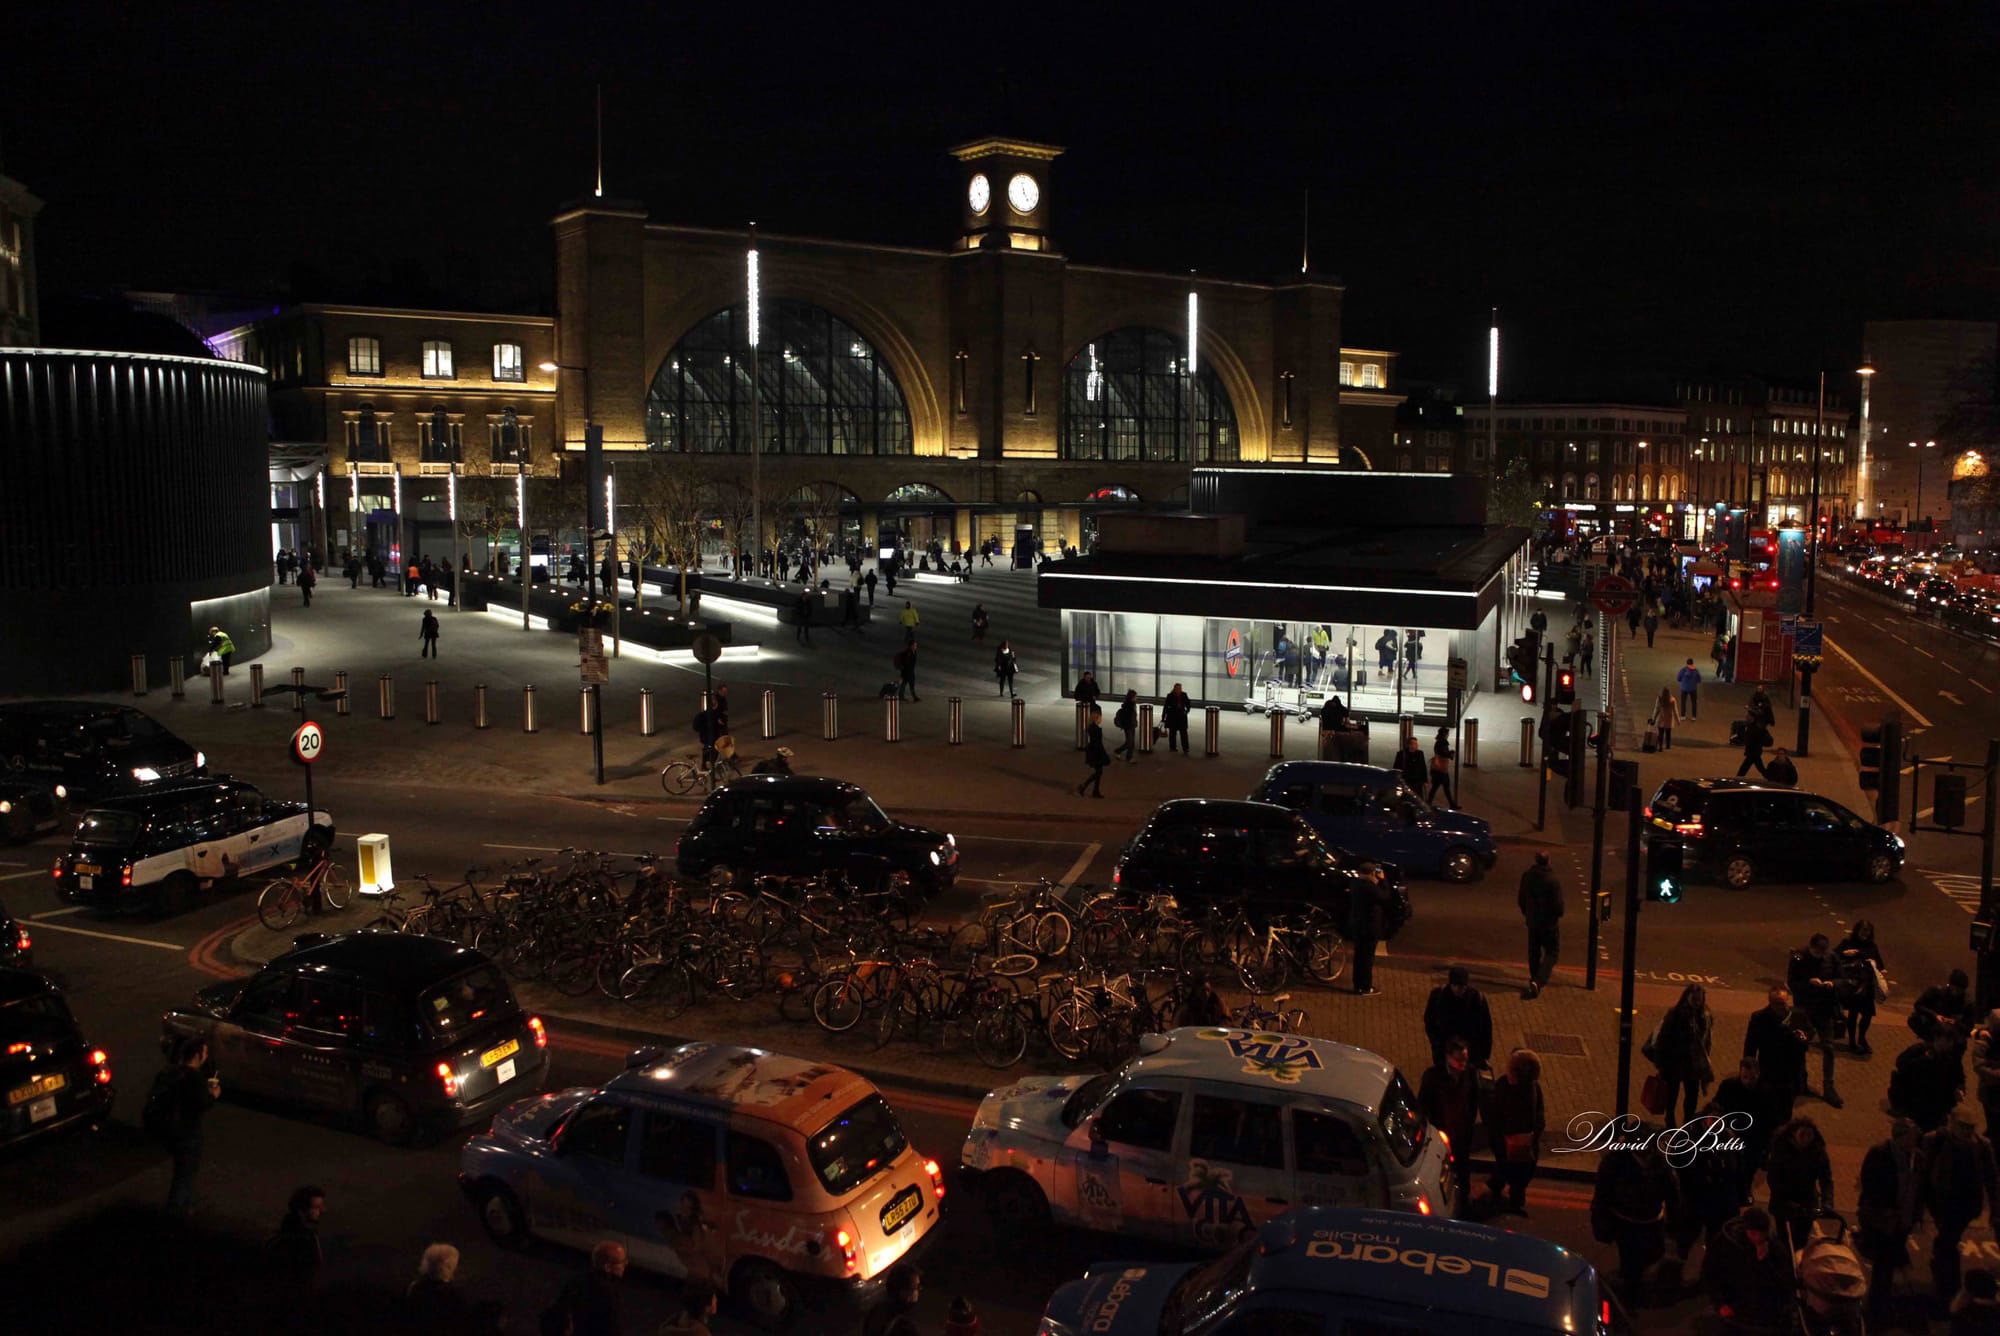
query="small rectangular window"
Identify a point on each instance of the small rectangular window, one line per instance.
(1371, 376)
(364, 356)
(437, 360)
(756, 1169)
(1347, 373)
(678, 1149)
(1236, 1131)
(508, 363)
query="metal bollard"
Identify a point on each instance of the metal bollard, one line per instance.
(648, 725)
(1082, 723)
(1527, 743)
(829, 717)
(176, 676)
(892, 719)
(385, 696)
(431, 701)
(1146, 727)
(299, 690)
(1020, 722)
(1406, 728)
(1277, 735)
(138, 674)
(1328, 744)
(1469, 752)
(954, 720)
(1211, 733)
(479, 706)
(769, 720)
(528, 708)
(341, 704)
(215, 684)
(256, 686)
(587, 704)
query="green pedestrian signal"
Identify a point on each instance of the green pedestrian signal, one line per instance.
(1665, 872)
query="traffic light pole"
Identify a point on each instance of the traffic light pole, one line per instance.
(1597, 855)
(1628, 984)
(1542, 771)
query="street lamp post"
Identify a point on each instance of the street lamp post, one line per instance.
(1917, 511)
(1812, 568)
(1867, 372)
(1493, 390)
(1187, 398)
(755, 298)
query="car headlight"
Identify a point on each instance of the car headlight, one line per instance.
(61, 791)
(145, 774)
(936, 858)
(5, 807)
(1900, 846)
(200, 760)
(950, 840)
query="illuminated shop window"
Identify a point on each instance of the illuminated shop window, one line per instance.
(508, 364)
(437, 360)
(364, 356)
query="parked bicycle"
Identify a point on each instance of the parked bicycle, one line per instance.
(320, 888)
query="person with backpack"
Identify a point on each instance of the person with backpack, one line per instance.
(181, 1097)
(1127, 722)
(1094, 755)
(905, 660)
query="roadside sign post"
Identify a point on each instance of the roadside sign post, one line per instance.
(307, 744)
(1808, 640)
(595, 671)
(1628, 984)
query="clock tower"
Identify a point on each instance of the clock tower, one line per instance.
(1003, 194)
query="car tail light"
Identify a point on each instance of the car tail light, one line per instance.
(844, 1241)
(125, 875)
(448, 1077)
(541, 1031)
(1647, 811)
(937, 1177)
(1445, 1137)
(22, 941)
(102, 1061)
(57, 873)
(1423, 1206)
(1116, 872)
(1692, 826)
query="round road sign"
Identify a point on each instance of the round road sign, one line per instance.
(1614, 595)
(306, 743)
(707, 648)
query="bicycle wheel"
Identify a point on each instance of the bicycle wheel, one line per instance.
(664, 987)
(1017, 966)
(278, 904)
(1266, 966)
(335, 889)
(1293, 1021)
(837, 1005)
(573, 970)
(679, 778)
(1072, 1027)
(1001, 1038)
(1326, 955)
(1104, 939)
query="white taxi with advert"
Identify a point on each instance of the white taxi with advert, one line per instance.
(1205, 1136)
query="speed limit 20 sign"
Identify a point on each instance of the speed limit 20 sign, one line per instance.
(306, 743)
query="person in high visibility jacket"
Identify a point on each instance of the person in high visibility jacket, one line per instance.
(221, 646)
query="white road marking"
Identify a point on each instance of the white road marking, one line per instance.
(31, 872)
(550, 849)
(1912, 710)
(1948, 696)
(109, 936)
(1081, 864)
(55, 913)
(1981, 685)
(1921, 650)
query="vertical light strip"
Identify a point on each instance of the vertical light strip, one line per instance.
(755, 315)
(451, 495)
(398, 485)
(521, 507)
(1493, 360)
(610, 500)
(319, 484)
(1194, 324)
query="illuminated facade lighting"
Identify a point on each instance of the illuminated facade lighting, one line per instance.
(1194, 323)
(521, 508)
(1493, 360)
(755, 317)
(451, 495)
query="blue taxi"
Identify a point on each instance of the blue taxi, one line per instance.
(1369, 810)
(1326, 1271)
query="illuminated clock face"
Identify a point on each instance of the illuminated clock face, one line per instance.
(1023, 193)
(979, 194)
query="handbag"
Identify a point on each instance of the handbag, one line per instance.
(1881, 982)
(1653, 1095)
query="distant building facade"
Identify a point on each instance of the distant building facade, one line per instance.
(20, 318)
(1922, 370)
(1621, 452)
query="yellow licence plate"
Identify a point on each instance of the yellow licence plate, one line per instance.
(493, 1055)
(86, 869)
(22, 1094)
(899, 1212)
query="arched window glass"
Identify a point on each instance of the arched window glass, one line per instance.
(916, 491)
(824, 389)
(1590, 487)
(1123, 398)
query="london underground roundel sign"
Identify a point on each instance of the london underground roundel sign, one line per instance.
(306, 743)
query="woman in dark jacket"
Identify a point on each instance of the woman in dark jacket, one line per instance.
(1094, 755)
(1680, 1050)
(1174, 718)
(1798, 1172)
(1515, 1120)
(1856, 953)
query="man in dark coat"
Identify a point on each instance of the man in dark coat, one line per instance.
(294, 1250)
(1458, 1010)
(1814, 975)
(1959, 1183)
(182, 1096)
(1777, 1036)
(1541, 902)
(1888, 1206)
(1415, 766)
(1367, 921)
(591, 1300)
(1636, 1200)
(1448, 1097)
(1748, 1276)
(1929, 1080)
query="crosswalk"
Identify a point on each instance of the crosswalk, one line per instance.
(1962, 888)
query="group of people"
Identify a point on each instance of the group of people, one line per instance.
(1173, 723)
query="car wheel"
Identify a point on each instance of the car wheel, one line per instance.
(505, 1223)
(768, 1295)
(176, 894)
(389, 1121)
(1881, 867)
(721, 877)
(1738, 872)
(1460, 866)
(1015, 1203)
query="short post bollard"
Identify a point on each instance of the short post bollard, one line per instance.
(256, 686)
(1406, 728)
(1470, 750)
(954, 720)
(1527, 742)
(215, 696)
(1146, 727)
(431, 701)
(1020, 722)
(138, 674)
(768, 721)
(341, 705)
(587, 705)
(1329, 742)
(299, 690)
(1082, 723)
(1211, 732)
(829, 717)
(648, 725)
(177, 676)
(528, 724)
(385, 696)
(1277, 735)
(479, 706)
(892, 719)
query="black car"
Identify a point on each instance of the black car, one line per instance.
(91, 749)
(1203, 851)
(17, 948)
(53, 1078)
(1739, 832)
(805, 826)
(30, 805)
(412, 1034)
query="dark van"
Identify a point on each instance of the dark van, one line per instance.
(92, 750)
(1740, 832)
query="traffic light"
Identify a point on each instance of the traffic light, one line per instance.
(1948, 800)
(1579, 742)
(1565, 686)
(1881, 764)
(1664, 864)
(1521, 663)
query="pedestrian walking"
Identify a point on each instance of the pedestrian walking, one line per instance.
(1126, 720)
(433, 1302)
(1541, 903)
(1928, 1080)
(222, 647)
(1457, 1010)
(868, 582)
(1440, 774)
(1777, 1037)
(294, 1253)
(1652, 622)
(1748, 1277)
(1385, 654)
(1756, 737)
(1094, 755)
(1635, 1201)
(1944, 1006)
(1679, 1048)
(1515, 1120)
(850, 609)
(430, 580)
(803, 611)
(1411, 761)
(589, 1303)
(1887, 1208)
(1757, 1110)
(1086, 692)
(894, 1316)
(978, 621)
(1573, 641)
(1005, 665)
(181, 1097)
(908, 618)
(1174, 719)
(1448, 1098)
(1711, 1182)
(889, 581)
(308, 580)
(1722, 651)
(1862, 972)
(353, 572)
(1815, 978)
(905, 660)
(1538, 622)
(1587, 652)
(1959, 1184)
(1780, 770)
(1985, 1053)
(1367, 923)
(427, 633)
(1799, 1175)
(1633, 616)
(1666, 717)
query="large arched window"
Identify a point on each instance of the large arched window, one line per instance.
(1123, 399)
(824, 389)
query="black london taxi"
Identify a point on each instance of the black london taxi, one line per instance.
(808, 825)
(53, 1078)
(17, 947)
(410, 1034)
(1741, 832)
(1205, 850)
(92, 749)
(30, 806)
(161, 844)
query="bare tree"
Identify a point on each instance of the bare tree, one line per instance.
(668, 499)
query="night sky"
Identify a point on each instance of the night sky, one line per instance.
(1640, 188)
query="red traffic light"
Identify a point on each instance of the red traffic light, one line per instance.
(1527, 693)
